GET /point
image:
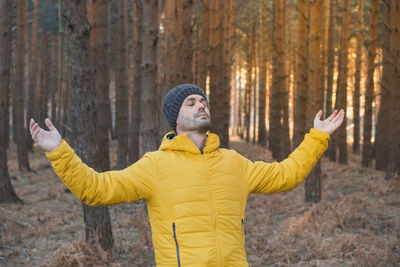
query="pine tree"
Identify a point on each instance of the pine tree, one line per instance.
(7, 193)
(122, 89)
(356, 94)
(18, 96)
(369, 87)
(149, 109)
(83, 114)
(341, 92)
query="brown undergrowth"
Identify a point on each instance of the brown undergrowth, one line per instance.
(357, 223)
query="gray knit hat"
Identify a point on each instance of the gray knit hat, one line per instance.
(174, 99)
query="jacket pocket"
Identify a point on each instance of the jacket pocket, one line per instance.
(177, 246)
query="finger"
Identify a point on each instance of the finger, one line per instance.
(34, 127)
(318, 116)
(49, 124)
(31, 125)
(341, 115)
(332, 116)
(35, 134)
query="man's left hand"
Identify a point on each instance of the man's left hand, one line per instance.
(330, 124)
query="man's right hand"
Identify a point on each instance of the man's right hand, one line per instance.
(46, 140)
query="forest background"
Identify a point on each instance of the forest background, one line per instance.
(100, 69)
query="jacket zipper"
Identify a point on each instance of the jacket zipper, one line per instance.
(243, 230)
(177, 246)
(213, 212)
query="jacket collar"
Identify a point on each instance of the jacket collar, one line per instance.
(182, 142)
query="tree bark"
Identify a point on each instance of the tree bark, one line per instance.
(283, 80)
(45, 78)
(331, 67)
(54, 80)
(102, 73)
(381, 143)
(134, 129)
(341, 92)
(247, 99)
(393, 165)
(18, 96)
(185, 43)
(254, 44)
(278, 78)
(366, 160)
(33, 109)
(7, 193)
(240, 100)
(262, 128)
(219, 90)
(356, 94)
(171, 54)
(205, 47)
(313, 182)
(300, 107)
(122, 89)
(83, 114)
(148, 105)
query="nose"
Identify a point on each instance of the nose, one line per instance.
(202, 106)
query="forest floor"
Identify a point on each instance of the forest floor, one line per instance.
(357, 223)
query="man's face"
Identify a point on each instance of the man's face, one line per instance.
(194, 115)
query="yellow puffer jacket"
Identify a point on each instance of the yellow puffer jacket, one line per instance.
(196, 201)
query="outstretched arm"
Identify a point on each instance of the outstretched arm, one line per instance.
(91, 187)
(287, 174)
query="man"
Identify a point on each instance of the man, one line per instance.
(196, 192)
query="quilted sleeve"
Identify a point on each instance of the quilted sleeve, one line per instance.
(106, 188)
(282, 176)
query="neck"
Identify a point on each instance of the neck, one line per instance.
(198, 138)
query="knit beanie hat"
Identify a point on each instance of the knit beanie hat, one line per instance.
(174, 99)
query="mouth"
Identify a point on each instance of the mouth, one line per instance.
(203, 114)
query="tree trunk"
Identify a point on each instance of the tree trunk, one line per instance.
(283, 80)
(219, 90)
(324, 24)
(356, 95)
(369, 87)
(240, 100)
(60, 65)
(33, 74)
(83, 114)
(171, 54)
(7, 193)
(254, 44)
(122, 90)
(204, 45)
(300, 107)
(45, 78)
(277, 89)
(102, 81)
(262, 129)
(227, 46)
(383, 124)
(393, 165)
(185, 44)
(149, 108)
(66, 103)
(313, 182)
(134, 129)
(331, 67)
(54, 80)
(247, 99)
(18, 96)
(341, 92)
